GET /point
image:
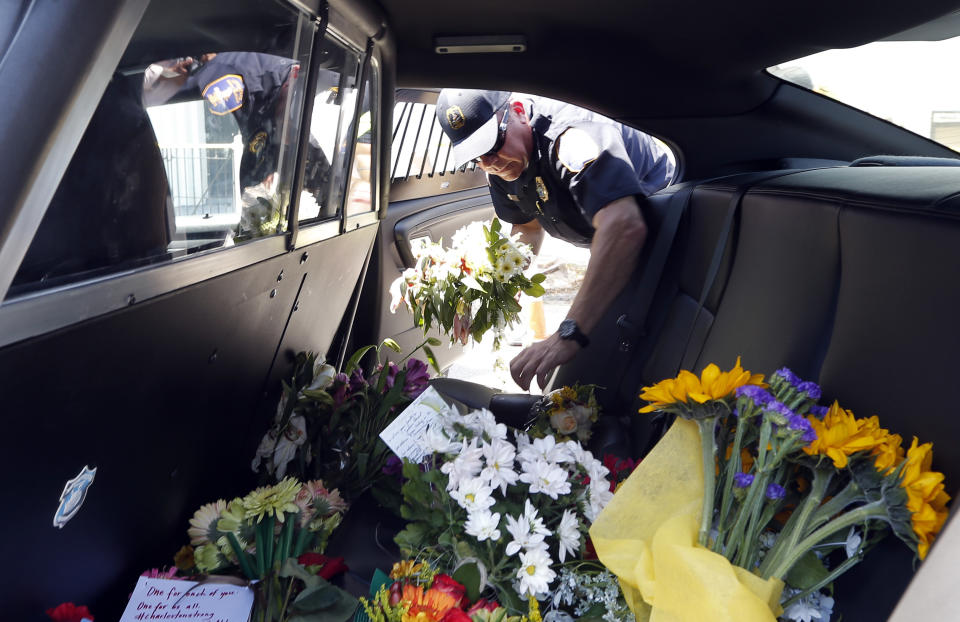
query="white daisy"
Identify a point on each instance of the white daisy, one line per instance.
(483, 525)
(473, 495)
(545, 449)
(546, 478)
(490, 427)
(600, 496)
(466, 465)
(569, 534)
(499, 456)
(536, 523)
(523, 535)
(436, 442)
(535, 574)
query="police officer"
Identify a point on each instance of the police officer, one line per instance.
(561, 169)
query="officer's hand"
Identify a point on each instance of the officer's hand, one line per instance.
(540, 359)
(461, 328)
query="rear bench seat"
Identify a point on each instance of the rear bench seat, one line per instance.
(848, 276)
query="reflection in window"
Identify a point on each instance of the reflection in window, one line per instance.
(330, 127)
(181, 155)
(360, 193)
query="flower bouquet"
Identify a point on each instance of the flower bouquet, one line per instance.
(327, 424)
(739, 512)
(502, 517)
(476, 281)
(273, 538)
(565, 413)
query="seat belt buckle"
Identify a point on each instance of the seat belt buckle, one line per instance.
(629, 332)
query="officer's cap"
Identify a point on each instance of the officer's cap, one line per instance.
(469, 119)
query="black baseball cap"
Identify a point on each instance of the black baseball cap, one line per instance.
(469, 119)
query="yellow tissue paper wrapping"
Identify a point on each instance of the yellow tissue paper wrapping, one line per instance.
(647, 536)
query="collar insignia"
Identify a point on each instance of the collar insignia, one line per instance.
(73, 496)
(455, 117)
(257, 143)
(225, 94)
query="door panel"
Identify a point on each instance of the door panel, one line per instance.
(161, 398)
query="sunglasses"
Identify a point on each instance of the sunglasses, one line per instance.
(501, 137)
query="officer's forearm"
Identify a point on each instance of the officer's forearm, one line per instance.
(530, 233)
(620, 234)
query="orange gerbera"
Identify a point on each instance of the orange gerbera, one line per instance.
(429, 606)
(712, 384)
(926, 498)
(840, 434)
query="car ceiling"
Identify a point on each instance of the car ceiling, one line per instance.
(639, 58)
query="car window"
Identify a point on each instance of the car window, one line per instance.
(331, 129)
(419, 145)
(360, 193)
(183, 154)
(905, 82)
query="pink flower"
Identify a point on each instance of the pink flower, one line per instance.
(156, 573)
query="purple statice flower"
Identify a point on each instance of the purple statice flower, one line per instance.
(819, 411)
(340, 390)
(742, 480)
(812, 389)
(759, 395)
(800, 424)
(789, 376)
(417, 379)
(775, 492)
(778, 412)
(394, 466)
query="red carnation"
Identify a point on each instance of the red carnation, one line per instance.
(456, 615)
(444, 583)
(483, 603)
(68, 612)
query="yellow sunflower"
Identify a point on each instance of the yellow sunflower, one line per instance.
(712, 384)
(926, 498)
(888, 454)
(840, 434)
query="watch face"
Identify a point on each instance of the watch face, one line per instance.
(568, 329)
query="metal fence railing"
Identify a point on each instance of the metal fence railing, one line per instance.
(204, 179)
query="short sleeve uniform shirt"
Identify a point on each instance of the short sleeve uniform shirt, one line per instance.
(581, 162)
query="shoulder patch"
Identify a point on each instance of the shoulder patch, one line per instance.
(576, 149)
(225, 94)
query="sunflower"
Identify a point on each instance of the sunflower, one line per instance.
(926, 498)
(888, 454)
(405, 569)
(203, 525)
(840, 434)
(712, 384)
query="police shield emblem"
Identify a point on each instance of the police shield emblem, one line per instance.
(455, 117)
(257, 143)
(225, 94)
(542, 190)
(73, 496)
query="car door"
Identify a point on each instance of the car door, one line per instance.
(430, 198)
(156, 296)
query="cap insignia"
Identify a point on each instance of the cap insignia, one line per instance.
(455, 117)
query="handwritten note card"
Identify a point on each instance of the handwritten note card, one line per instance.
(403, 436)
(164, 599)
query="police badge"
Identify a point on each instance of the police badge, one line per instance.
(542, 190)
(455, 117)
(73, 495)
(225, 94)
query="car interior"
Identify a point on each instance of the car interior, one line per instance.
(151, 304)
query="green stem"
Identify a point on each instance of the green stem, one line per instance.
(269, 541)
(708, 448)
(242, 557)
(261, 551)
(286, 600)
(733, 467)
(830, 578)
(282, 551)
(799, 521)
(834, 506)
(862, 514)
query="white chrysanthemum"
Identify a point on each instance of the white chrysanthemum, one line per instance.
(569, 534)
(499, 456)
(533, 517)
(466, 465)
(535, 574)
(483, 525)
(600, 496)
(436, 441)
(524, 537)
(545, 449)
(489, 425)
(473, 495)
(545, 478)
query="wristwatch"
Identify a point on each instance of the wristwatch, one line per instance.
(569, 330)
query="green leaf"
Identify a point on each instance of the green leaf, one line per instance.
(536, 290)
(432, 358)
(315, 599)
(472, 283)
(393, 345)
(807, 572)
(468, 575)
(538, 277)
(355, 359)
(412, 537)
(433, 341)
(292, 569)
(495, 225)
(341, 610)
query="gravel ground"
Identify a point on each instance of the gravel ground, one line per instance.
(564, 265)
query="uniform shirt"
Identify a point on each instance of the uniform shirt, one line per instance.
(247, 85)
(581, 162)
